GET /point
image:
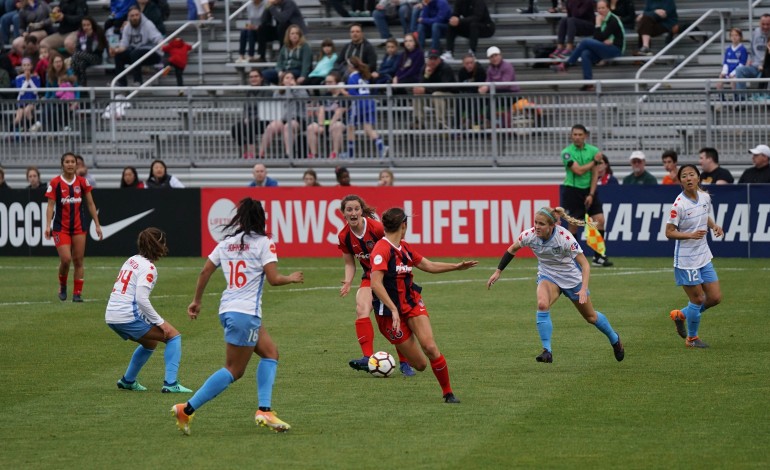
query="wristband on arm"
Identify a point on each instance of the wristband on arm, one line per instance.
(507, 257)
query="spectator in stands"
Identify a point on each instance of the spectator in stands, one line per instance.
(670, 159)
(609, 41)
(81, 169)
(329, 119)
(118, 16)
(35, 18)
(310, 178)
(711, 172)
(578, 22)
(658, 17)
(9, 21)
(753, 67)
(3, 184)
(251, 124)
(31, 49)
(343, 176)
(362, 8)
(760, 172)
(139, 36)
(410, 63)
(200, 10)
(339, 7)
(130, 179)
(89, 49)
(325, 64)
(159, 177)
(151, 11)
(59, 104)
(765, 72)
(357, 47)
(251, 31)
(499, 71)
(295, 56)
(11, 61)
(389, 64)
(470, 19)
(388, 9)
(64, 25)
(279, 15)
(386, 178)
(557, 6)
(261, 180)
(736, 55)
(293, 117)
(362, 112)
(604, 176)
(41, 67)
(432, 19)
(35, 185)
(28, 84)
(624, 9)
(177, 50)
(470, 110)
(639, 175)
(436, 71)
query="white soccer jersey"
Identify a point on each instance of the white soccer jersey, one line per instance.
(122, 306)
(689, 216)
(555, 256)
(242, 264)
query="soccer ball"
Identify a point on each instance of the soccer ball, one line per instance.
(381, 364)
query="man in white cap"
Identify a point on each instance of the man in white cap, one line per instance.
(638, 174)
(760, 172)
(499, 71)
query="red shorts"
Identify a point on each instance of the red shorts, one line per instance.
(366, 283)
(63, 238)
(404, 333)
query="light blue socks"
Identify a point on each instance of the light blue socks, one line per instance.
(603, 325)
(265, 379)
(692, 314)
(545, 328)
(138, 360)
(172, 355)
(214, 385)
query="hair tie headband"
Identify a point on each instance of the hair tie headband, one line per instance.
(543, 211)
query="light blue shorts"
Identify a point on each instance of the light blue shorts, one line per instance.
(695, 277)
(571, 293)
(240, 329)
(134, 330)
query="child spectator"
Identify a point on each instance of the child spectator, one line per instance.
(329, 118)
(177, 50)
(41, 68)
(28, 83)
(389, 64)
(410, 63)
(295, 56)
(325, 64)
(59, 104)
(362, 111)
(735, 55)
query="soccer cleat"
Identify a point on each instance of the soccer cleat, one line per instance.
(603, 261)
(451, 398)
(695, 343)
(134, 386)
(62, 293)
(679, 318)
(360, 364)
(182, 420)
(176, 388)
(77, 298)
(268, 419)
(545, 356)
(619, 350)
(406, 369)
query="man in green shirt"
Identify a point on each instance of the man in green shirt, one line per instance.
(639, 175)
(578, 195)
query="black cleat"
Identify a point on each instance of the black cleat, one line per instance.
(451, 398)
(602, 261)
(63, 293)
(77, 298)
(679, 319)
(360, 364)
(619, 350)
(545, 356)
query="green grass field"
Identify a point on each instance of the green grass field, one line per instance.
(663, 407)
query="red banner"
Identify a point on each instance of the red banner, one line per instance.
(452, 221)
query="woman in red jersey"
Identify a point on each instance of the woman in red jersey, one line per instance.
(65, 222)
(392, 261)
(356, 241)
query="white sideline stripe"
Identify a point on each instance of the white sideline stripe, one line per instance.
(608, 272)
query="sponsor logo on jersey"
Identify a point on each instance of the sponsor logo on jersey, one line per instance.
(673, 214)
(378, 259)
(71, 200)
(362, 255)
(403, 269)
(150, 277)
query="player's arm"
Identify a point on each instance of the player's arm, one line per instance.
(673, 233)
(718, 232)
(379, 290)
(435, 267)
(48, 219)
(144, 304)
(585, 269)
(203, 279)
(506, 258)
(94, 214)
(277, 279)
(350, 272)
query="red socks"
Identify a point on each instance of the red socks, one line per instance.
(365, 334)
(78, 289)
(62, 280)
(401, 357)
(441, 371)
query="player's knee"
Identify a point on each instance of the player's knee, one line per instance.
(431, 350)
(542, 306)
(715, 299)
(236, 372)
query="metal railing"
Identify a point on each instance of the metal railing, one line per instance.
(460, 128)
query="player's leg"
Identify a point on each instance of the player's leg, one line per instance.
(364, 327)
(172, 356)
(135, 331)
(64, 249)
(78, 253)
(711, 288)
(601, 323)
(422, 329)
(692, 314)
(547, 294)
(267, 350)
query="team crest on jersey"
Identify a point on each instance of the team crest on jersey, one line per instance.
(673, 214)
(77, 189)
(567, 156)
(378, 259)
(272, 248)
(369, 245)
(556, 250)
(150, 277)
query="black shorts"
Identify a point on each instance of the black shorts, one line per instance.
(573, 200)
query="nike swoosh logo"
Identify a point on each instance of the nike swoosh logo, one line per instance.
(115, 227)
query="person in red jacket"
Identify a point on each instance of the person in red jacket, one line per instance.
(177, 50)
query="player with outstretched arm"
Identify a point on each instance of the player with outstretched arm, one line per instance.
(688, 223)
(562, 268)
(247, 256)
(396, 293)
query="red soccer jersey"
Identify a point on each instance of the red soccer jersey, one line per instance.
(360, 248)
(69, 212)
(397, 263)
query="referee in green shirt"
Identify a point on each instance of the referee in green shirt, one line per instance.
(578, 195)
